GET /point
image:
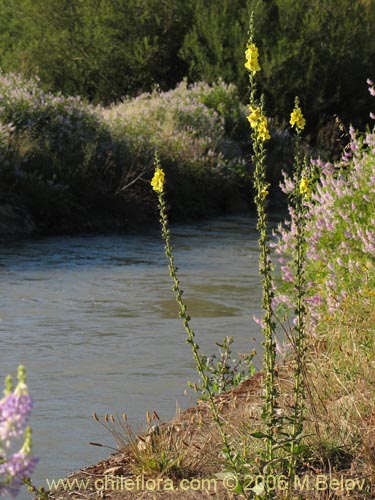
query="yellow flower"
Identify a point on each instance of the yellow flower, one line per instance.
(157, 182)
(262, 129)
(304, 187)
(254, 116)
(259, 122)
(297, 119)
(264, 192)
(252, 55)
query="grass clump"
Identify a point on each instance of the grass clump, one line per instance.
(164, 451)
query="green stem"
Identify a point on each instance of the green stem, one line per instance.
(40, 493)
(265, 268)
(300, 311)
(190, 333)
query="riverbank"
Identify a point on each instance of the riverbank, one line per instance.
(17, 222)
(190, 441)
(192, 445)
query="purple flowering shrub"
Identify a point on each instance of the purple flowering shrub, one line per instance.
(340, 231)
(15, 409)
(340, 265)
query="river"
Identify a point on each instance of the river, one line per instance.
(95, 322)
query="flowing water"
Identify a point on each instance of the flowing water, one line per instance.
(95, 322)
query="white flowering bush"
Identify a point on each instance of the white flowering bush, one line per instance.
(66, 136)
(200, 133)
(188, 125)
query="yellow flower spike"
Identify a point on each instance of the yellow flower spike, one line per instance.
(158, 180)
(259, 123)
(252, 55)
(304, 187)
(297, 119)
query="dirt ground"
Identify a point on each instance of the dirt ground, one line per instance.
(116, 477)
(197, 473)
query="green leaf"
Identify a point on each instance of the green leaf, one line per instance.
(259, 435)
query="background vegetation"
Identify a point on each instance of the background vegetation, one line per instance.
(104, 50)
(76, 166)
(80, 165)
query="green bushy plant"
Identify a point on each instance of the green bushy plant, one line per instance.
(67, 136)
(225, 371)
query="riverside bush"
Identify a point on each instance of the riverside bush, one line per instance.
(201, 134)
(64, 160)
(197, 132)
(62, 137)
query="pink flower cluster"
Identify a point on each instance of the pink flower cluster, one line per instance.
(15, 409)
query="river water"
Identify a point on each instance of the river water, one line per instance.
(95, 322)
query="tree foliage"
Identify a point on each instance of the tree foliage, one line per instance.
(324, 52)
(321, 50)
(101, 49)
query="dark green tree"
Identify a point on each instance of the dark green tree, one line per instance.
(215, 45)
(323, 51)
(101, 49)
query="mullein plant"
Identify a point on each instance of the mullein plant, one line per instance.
(260, 134)
(15, 409)
(232, 458)
(297, 337)
(298, 197)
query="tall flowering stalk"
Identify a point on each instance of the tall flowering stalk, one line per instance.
(260, 133)
(298, 197)
(333, 219)
(15, 409)
(157, 184)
